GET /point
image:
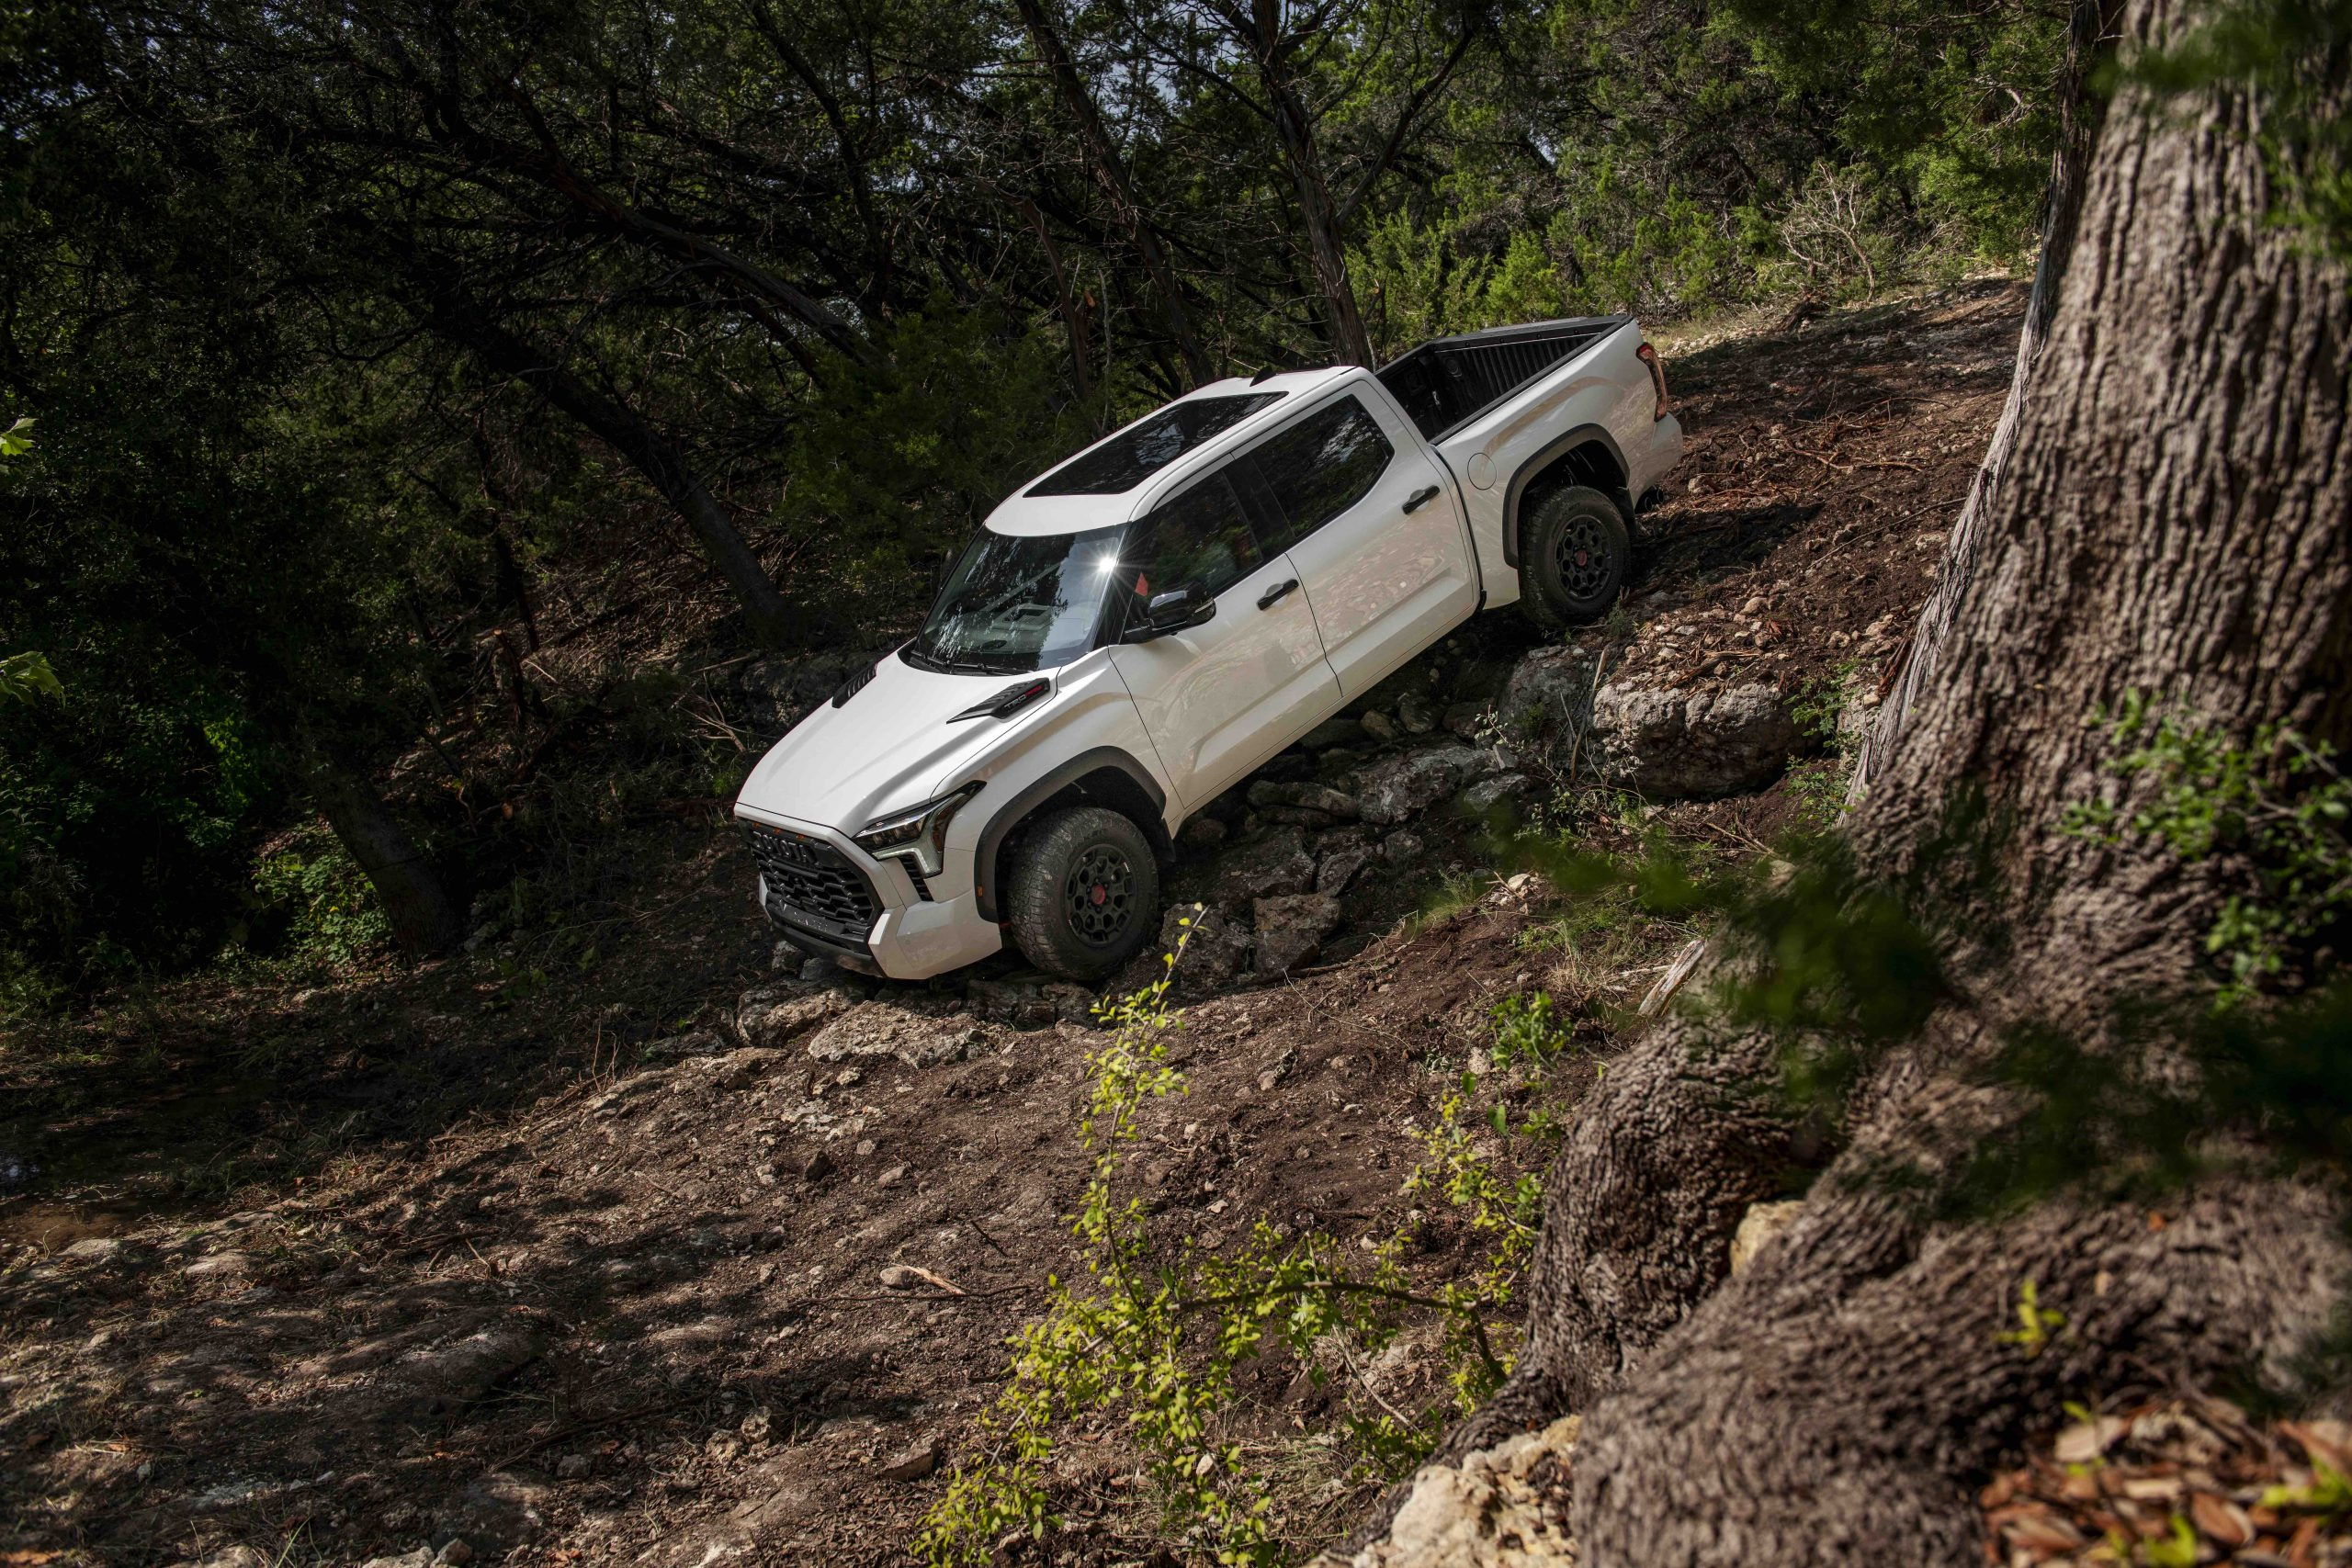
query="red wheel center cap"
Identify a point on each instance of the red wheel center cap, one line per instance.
(1100, 895)
(1583, 558)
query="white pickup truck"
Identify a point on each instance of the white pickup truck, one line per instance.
(1137, 631)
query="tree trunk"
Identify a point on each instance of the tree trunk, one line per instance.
(1325, 251)
(2169, 516)
(1111, 173)
(472, 327)
(2090, 25)
(424, 920)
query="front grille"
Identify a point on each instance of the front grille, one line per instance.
(812, 885)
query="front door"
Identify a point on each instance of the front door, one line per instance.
(1374, 525)
(1220, 697)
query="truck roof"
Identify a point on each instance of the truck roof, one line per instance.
(1441, 386)
(1120, 476)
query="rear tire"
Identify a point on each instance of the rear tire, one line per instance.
(1574, 552)
(1084, 893)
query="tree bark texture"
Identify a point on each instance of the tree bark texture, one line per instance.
(424, 920)
(1326, 249)
(2090, 25)
(2171, 516)
(660, 460)
(1110, 172)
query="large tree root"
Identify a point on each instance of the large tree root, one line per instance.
(1841, 1400)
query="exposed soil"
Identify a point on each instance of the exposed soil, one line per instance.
(470, 1249)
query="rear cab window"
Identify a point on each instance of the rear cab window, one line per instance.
(1320, 467)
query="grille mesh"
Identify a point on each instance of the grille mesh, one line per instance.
(813, 885)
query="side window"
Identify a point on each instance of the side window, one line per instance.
(1200, 540)
(1323, 465)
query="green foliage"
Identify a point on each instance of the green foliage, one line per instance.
(24, 676)
(2328, 1494)
(2277, 800)
(1526, 1031)
(1152, 1336)
(899, 459)
(332, 910)
(2037, 1324)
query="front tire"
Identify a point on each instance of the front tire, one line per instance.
(1574, 552)
(1084, 893)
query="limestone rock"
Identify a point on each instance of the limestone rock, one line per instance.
(1071, 1003)
(1503, 1508)
(780, 1013)
(1291, 930)
(1265, 867)
(1759, 1227)
(695, 1043)
(1020, 1003)
(1379, 726)
(492, 1515)
(450, 1377)
(1416, 714)
(1267, 793)
(876, 1030)
(1339, 867)
(1672, 744)
(1216, 954)
(1550, 687)
(912, 1464)
(1333, 733)
(1467, 719)
(1394, 788)
(1488, 793)
(1201, 834)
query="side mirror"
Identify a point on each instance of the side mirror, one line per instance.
(1170, 612)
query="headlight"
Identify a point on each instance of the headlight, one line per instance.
(919, 833)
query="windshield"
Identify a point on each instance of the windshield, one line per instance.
(1016, 605)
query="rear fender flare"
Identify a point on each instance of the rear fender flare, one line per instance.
(1555, 452)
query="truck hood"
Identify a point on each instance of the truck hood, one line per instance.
(888, 747)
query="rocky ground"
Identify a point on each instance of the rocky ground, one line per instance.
(638, 1240)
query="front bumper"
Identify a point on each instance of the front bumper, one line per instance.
(824, 893)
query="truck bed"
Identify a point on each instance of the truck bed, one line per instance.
(1449, 381)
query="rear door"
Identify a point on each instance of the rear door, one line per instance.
(1375, 530)
(1223, 696)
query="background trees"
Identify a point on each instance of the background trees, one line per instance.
(374, 343)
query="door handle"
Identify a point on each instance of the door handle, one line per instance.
(1276, 594)
(1420, 499)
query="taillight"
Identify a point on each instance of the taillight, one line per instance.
(1657, 378)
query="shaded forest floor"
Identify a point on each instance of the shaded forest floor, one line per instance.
(342, 1268)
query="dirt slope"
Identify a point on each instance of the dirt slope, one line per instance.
(491, 1265)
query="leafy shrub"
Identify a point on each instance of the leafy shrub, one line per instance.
(333, 914)
(2278, 800)
(1154, 1333)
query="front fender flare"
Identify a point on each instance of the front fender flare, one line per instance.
(1011, 813)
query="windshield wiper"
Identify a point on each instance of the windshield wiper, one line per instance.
(960, 664)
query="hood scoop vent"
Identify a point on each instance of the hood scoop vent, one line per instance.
(1007, 703)
(856, 683)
